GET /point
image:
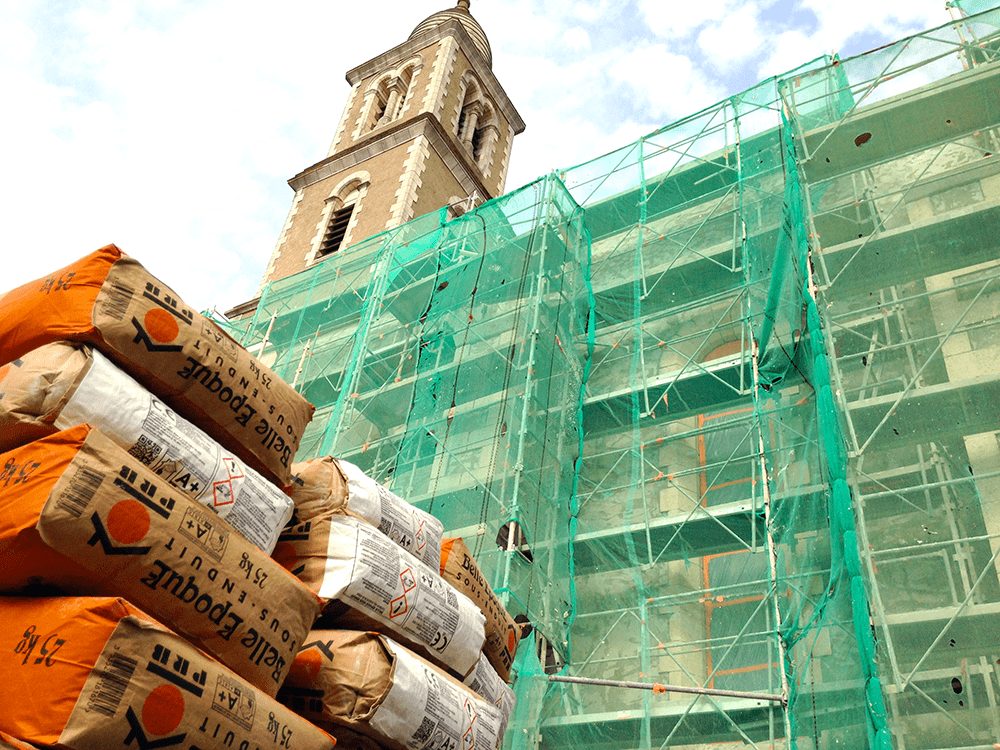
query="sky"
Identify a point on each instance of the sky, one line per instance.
(170, 128)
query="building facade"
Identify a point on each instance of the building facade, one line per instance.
(717, 410)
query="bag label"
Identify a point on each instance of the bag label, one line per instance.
(423, 710)
(149, 689)
(177, 450)
(365, 570)
(416, 531)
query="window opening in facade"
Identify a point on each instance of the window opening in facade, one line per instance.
(336, 230)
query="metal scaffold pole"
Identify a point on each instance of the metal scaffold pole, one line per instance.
(658, 687)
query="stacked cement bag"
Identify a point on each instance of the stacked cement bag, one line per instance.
(85, 516)
(141, 483)
(328, 488)
(356, 544)
(367, 683)
(145, 462)
(97, 673)
(61, 385)
(109, 300)
(459, 568)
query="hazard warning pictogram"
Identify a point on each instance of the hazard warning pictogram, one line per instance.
(408, 580)
(398, 607)
(233, 468)
(469, 737)
(401, 604)
(222, 493)
(421, 537)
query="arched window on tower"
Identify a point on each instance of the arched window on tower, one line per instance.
(468, 116)
(484, 139)
(389, 95)
(336, 228)
(341, 207)
(381, 99)
(477, 128)
(404, 85)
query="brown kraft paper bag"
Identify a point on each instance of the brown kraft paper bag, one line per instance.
(98, 674)
(79, 513)
(109, 300)
(325, 488)
(10, 743)
(60, 385)
(459, 568)
(370, 684)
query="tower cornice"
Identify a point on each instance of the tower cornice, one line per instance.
(443, 142)
(479, 64)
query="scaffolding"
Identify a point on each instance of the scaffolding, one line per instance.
(717, 410)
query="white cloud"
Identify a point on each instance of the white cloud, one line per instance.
(733, 40)
(788, 50)
(839, 23)
(679, 19)
(171, 128)
(576, 39)
(670, 85)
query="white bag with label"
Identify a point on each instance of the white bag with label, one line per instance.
(392, 589)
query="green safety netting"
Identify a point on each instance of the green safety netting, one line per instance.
(718, 409)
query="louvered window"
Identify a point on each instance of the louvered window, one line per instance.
(336, 230)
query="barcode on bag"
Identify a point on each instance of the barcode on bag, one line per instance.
(423, 731)
(145, 449)
(80, 491)
(117, 300)
(113, 680)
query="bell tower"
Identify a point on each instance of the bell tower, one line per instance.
(426, 124)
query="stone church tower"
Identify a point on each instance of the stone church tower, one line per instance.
(426, 124)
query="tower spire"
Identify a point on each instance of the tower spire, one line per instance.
(463, 4)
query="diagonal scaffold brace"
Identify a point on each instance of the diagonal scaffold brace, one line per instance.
(658, 687)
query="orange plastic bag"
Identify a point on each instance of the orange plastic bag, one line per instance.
(98, 673)
(79, 513)
(109, 300)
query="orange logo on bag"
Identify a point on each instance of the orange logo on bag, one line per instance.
(128, 521)
(160, 325)
(137, 729)
(163, 709)
(511, 640)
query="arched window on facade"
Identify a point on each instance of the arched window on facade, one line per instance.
(468, 116)
(342, 205)
(477, 128)
(404, 85)
(484, 139)
(379, 105)
(389, 95)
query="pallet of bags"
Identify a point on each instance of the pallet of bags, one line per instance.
(339, 509)
(80, 514)
(368, 683)
(459, 568)
(60, 385)
(109, 300)
(96, 673)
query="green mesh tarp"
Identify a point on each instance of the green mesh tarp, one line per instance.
(718, 409)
